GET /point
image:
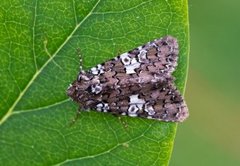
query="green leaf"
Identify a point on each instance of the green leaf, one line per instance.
(38, 42)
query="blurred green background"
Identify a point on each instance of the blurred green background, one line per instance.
(211, 135)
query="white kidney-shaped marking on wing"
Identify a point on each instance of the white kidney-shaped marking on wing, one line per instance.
(126, 60)
(134, 100)
(130, 69)
(142, 55)
(132, 110)
(149, 109)
(130, 64)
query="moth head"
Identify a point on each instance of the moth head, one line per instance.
(85, 85)
(83, 76)
(83, 81)
(78, 86)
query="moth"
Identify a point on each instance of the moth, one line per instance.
(138, 83)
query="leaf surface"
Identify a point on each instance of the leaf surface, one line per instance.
(38, 61)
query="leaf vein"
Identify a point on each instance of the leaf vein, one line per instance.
(33, 35)
(126, 10)
(107, 151)
(9, 112)
(40, 108)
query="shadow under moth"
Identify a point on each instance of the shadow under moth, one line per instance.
(138, 83)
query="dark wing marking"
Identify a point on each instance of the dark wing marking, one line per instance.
(152, 62)
(163, 103)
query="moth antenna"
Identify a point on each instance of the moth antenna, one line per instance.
(80, 60)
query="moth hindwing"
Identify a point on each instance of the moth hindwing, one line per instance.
(138, 83)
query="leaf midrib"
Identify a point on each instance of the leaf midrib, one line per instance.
(21, 94)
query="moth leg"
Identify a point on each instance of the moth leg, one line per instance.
(77, 113)
(123, 122)
(76, 117)
(121, 119)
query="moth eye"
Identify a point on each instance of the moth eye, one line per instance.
(164, 43)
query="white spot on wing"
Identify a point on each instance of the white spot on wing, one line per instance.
(99, 66)
(99, 107)
(130, 64)
(94, 70)
(134, 100)
(150, 117)
(142, 55)
(126, 61)
(102, 107)
(96, 88)
(97, 70)
(132, 110)
(124, 113)
(123, 57)
(134, 60)
(134, 65)
(149, 109)
(101, 71)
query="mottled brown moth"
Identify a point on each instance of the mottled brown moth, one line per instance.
(138, 83)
